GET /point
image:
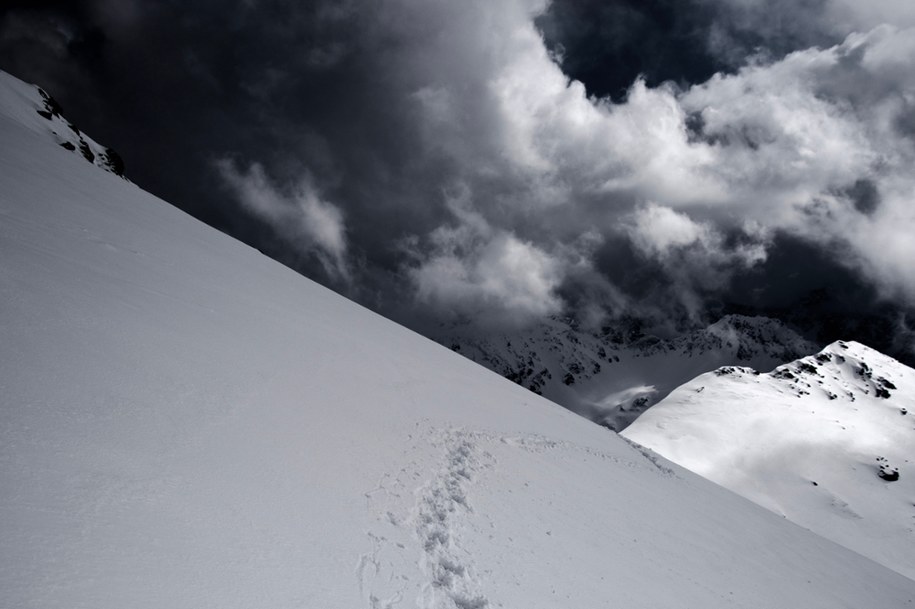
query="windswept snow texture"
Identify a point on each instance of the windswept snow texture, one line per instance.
(613, 375)
(821, 441)
(186, 424)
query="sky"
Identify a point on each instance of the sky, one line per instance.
(498, 162)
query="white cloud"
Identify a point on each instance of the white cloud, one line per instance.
(694, 255)
(472, 269)
(300, 216)
(657, 231)
(793, 137)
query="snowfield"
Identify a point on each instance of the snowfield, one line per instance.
(820, 441)
(188, 424)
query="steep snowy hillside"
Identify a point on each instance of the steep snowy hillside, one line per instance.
(31, 107)
(828, 441)
(186, 423)
(612, 376)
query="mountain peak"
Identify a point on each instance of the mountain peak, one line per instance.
(818, 440)
(844, 369)
(35, 109)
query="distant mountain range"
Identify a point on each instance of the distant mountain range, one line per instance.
(613, 375)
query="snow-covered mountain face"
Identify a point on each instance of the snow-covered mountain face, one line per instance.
(32, 108)
(828, 441)
(186, 423)
(614, 375)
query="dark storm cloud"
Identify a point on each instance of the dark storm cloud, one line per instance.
(864, 196)
(432, 160)
(807, 285)
(607, 45)
(294, 86)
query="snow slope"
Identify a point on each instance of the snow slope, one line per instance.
(804, 441)
(613, 375)
(31, 107)
(186, 423)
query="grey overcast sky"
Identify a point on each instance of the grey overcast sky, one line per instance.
(498, 161)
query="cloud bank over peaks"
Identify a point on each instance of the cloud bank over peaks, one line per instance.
(817, 144)
(458, 171)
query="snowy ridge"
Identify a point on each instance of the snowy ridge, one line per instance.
(613, 375)
(827, 441)
(186, 423)
(37, 111)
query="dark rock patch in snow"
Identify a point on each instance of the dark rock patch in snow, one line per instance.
(887, 471)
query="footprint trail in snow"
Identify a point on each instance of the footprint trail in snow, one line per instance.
(441, 507)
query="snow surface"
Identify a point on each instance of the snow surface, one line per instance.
(186, 423)
(804, 441)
